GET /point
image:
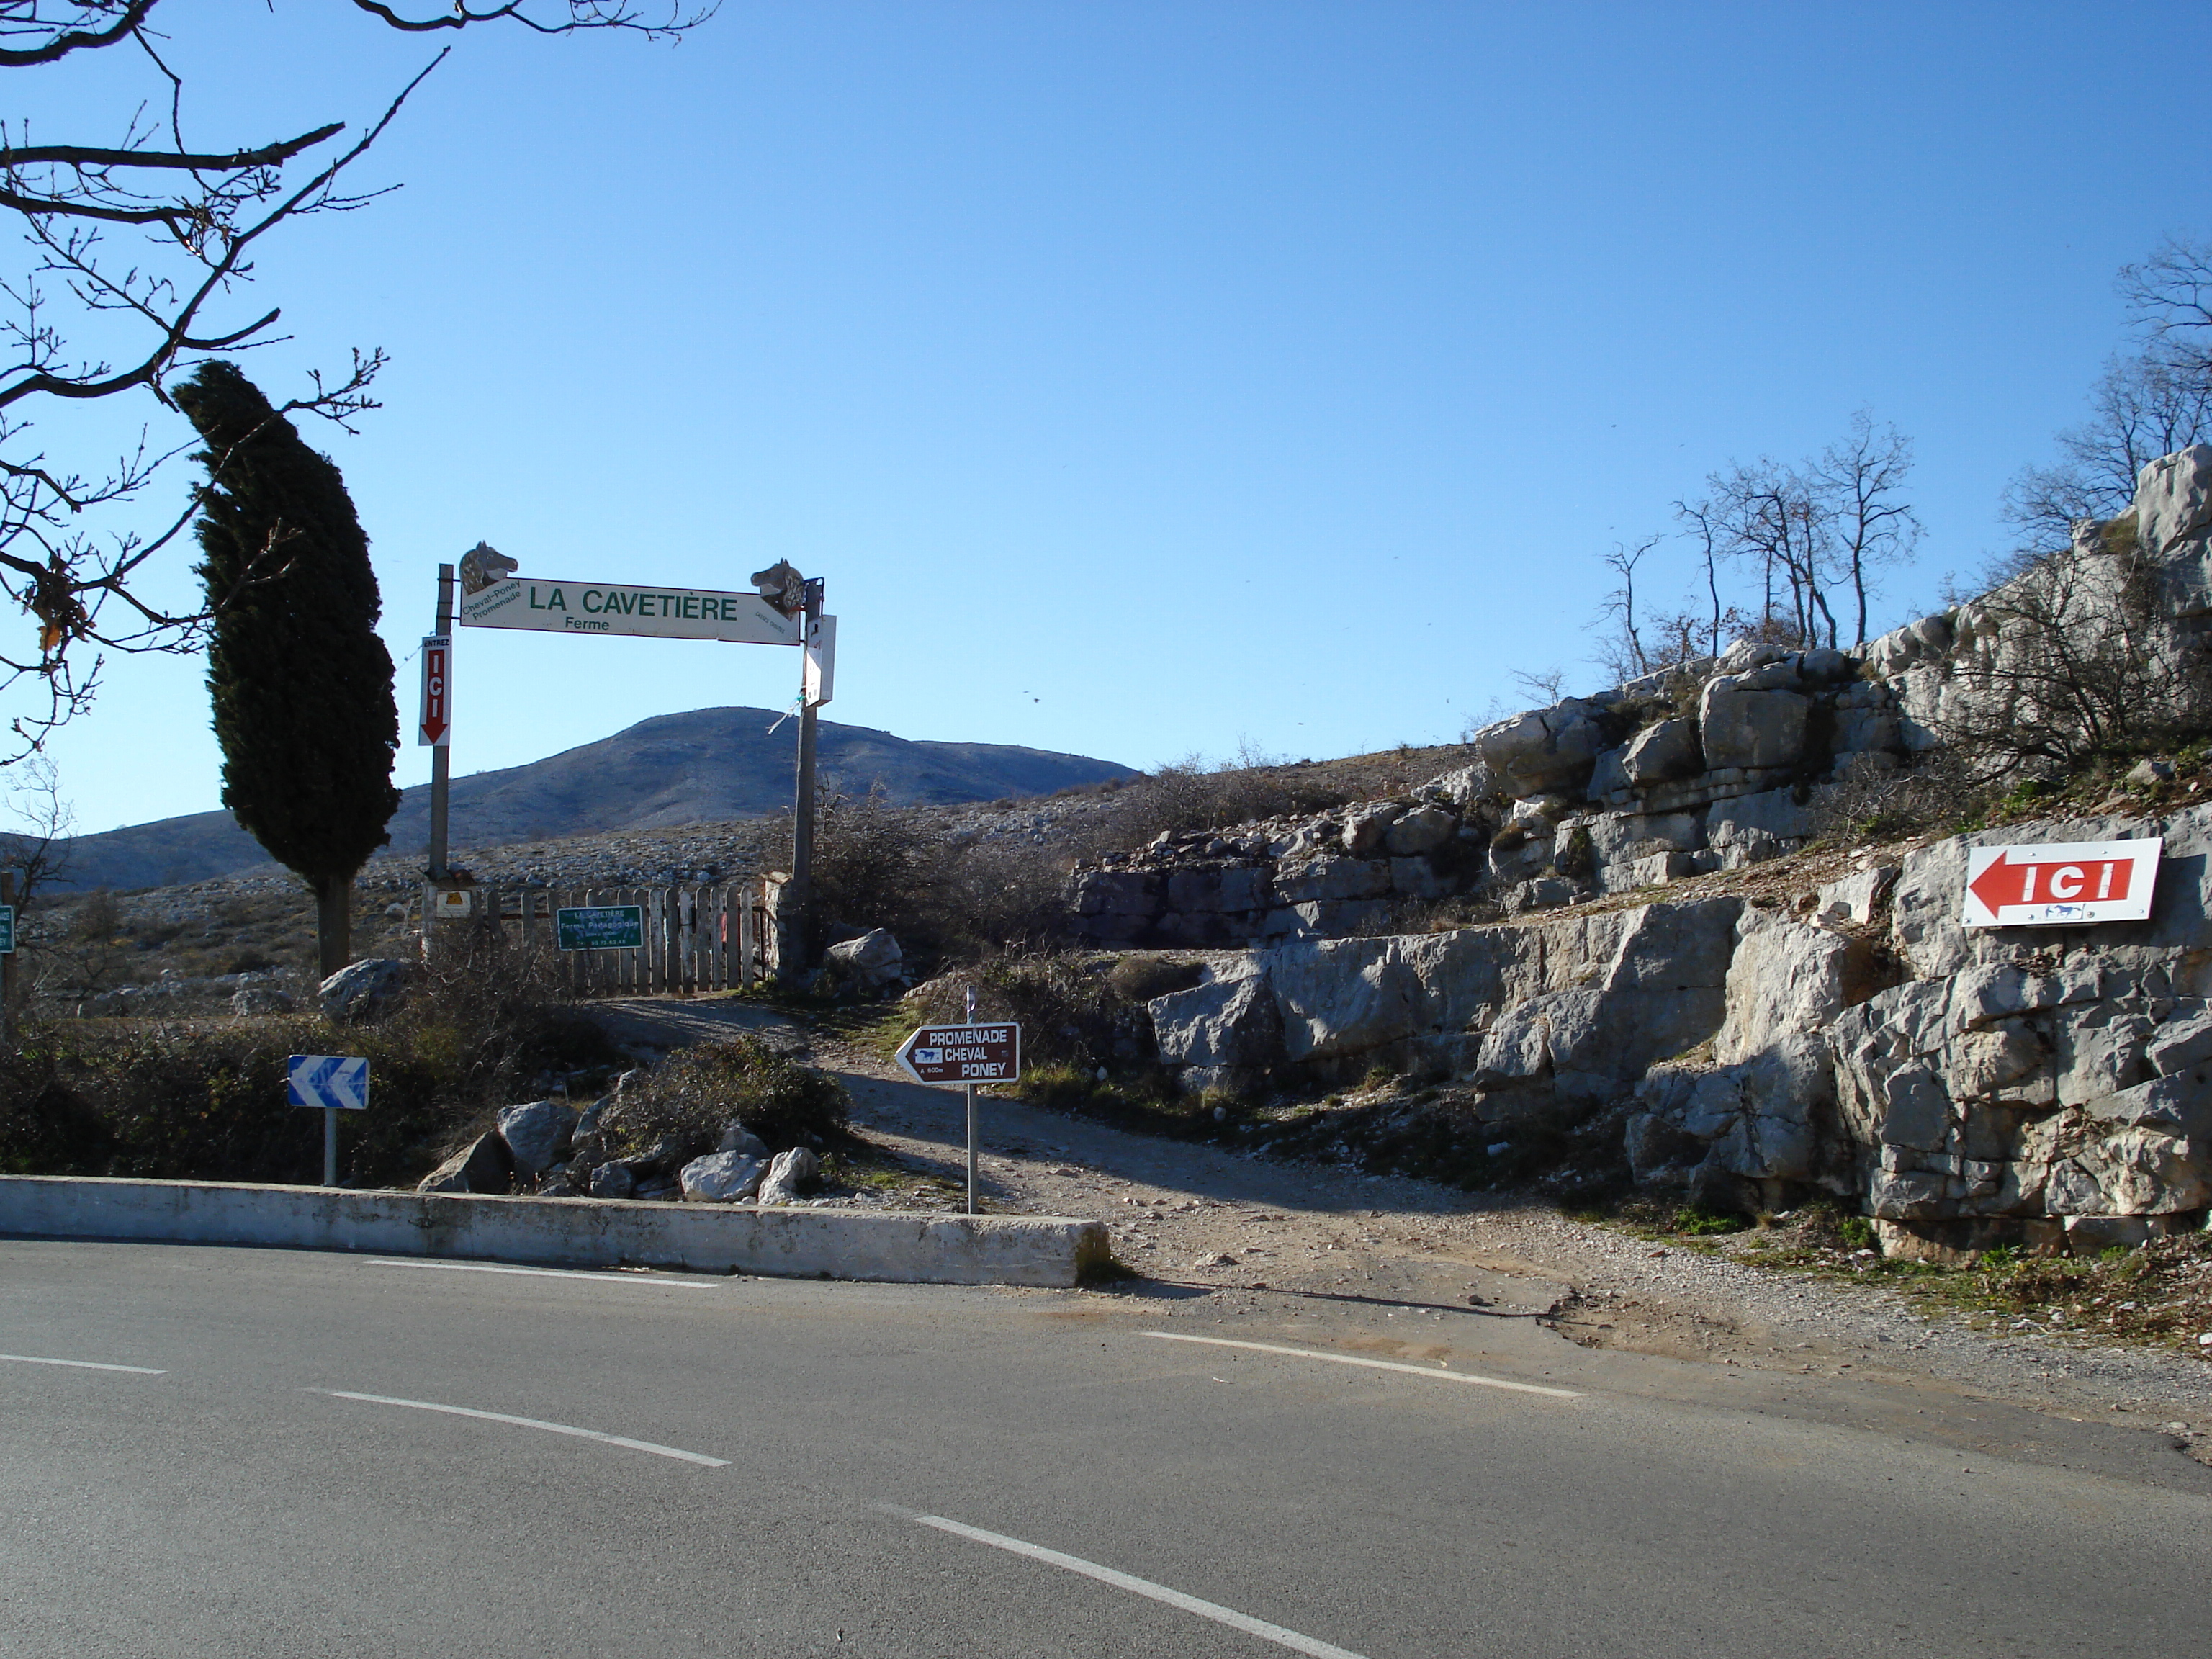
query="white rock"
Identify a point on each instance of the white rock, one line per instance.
(781, 1185)
(722, 1177)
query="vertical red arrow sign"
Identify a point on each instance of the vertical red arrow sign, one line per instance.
(437, 727)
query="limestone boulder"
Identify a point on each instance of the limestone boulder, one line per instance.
(872, 962)
(248, 1000)
(789, 1172)
(537, 1133)
(739, 1138)
(1366, 828)
(363, 991)
(1784, 979)
(722, 1177)
(1746, 726)
(2135, 1172)
(612, 1181)
(1232, 1023)
(484, 1166)
(1420, 831)
(1659, 753)
(1321, 879)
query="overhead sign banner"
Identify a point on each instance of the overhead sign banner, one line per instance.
(962, 1054)
(334, 1082)
(679, 613)
(2061, 884)
(600, 927)
(436, 730)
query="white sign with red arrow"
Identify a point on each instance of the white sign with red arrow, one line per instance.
(2061, 884)
(436, 730)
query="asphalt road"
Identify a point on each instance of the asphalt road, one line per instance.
(849, 1469)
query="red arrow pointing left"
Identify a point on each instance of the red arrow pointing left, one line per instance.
(2078, 881)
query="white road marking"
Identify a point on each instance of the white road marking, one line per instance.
(1375, 1365)
(83, 1364)
(533, 1422)
(540, 1272)
(1173, 1598)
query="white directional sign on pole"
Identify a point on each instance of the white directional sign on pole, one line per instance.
(680, 613)
(335, 1083)
(818, 679)
(2060, 883)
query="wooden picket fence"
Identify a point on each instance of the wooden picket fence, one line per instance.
(696, 939)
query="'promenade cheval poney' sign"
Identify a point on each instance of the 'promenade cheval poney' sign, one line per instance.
(2061, 884)
(964, 1053)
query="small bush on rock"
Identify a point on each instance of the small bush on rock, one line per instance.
(695, 1094)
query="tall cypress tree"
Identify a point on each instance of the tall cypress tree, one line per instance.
(301, 685)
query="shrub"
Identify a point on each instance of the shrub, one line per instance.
(695, 1094)
(192, 1100)
(1140, 979)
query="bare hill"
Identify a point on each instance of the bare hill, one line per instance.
(708, 766)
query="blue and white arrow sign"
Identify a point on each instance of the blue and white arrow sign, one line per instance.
(333, 1082)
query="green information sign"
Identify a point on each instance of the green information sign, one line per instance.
(7, 930)
(600, 927)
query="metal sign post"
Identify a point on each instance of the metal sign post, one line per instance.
(964, 1055)
(335, 1083)
(437, 732)
(8, 958)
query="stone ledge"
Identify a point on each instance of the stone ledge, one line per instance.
(905, 1247)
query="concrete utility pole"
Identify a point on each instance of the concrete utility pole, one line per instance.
(801, 899)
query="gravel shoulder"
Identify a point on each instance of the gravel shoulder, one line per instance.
(1411, 1267)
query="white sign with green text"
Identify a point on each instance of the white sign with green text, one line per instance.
(680, 613)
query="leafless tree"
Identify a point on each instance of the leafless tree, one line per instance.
(1772, 516)
(2068, 665)
(138, 243)
(1620, 650)
(1702, 523)
(1857, 485)
(37, 850)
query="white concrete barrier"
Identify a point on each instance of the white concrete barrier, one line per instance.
(908, 1246)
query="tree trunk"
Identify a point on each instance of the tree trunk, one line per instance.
(334, 922)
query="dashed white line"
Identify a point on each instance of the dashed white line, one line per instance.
(658, 1450)
(543, 1272)
(81, 1364)
(1372, 1364)
(1173, 1598)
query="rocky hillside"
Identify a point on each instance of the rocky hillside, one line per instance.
(708, 766)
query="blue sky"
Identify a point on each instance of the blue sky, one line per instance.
(1146, 379)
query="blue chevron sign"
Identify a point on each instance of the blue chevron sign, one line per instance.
(333, 1082)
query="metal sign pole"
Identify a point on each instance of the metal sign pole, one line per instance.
(330, 1145)
(802, 812)
(440, 764)
(972, 1210)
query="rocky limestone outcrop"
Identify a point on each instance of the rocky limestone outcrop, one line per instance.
(1963, 1086)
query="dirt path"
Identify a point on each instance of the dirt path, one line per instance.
(1273, 1241)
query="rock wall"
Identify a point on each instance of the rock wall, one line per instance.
(1964, 1087)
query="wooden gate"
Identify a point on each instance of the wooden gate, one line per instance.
(696, 939)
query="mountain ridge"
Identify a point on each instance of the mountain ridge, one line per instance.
(702, 766)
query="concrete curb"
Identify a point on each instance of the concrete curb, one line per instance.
(906, 1247)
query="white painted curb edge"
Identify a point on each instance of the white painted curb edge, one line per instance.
(907, 1247)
